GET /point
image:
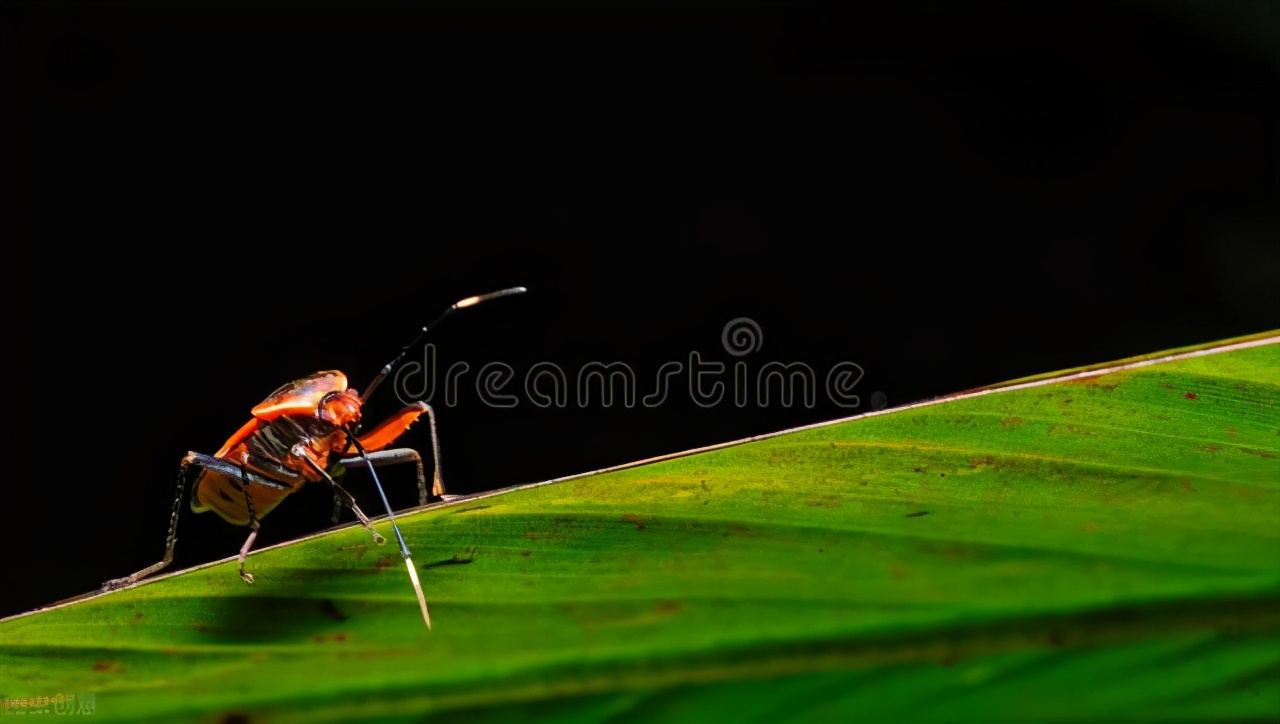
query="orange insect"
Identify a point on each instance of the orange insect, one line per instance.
(303, 433)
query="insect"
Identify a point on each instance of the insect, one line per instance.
(305, 432)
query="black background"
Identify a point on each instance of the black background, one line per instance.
(202, 202)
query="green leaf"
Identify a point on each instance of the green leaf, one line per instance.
(1100, 547)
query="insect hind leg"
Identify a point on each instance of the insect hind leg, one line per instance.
(208, 462)
(171, 540)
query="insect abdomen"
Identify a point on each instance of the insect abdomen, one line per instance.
(264, 452)
(223, 495)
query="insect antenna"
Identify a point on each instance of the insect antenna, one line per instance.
(462, 304)
(404, 549)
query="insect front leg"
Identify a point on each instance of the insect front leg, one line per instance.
(346, 497)
(336, 471)
(393, 427)
(393, 457)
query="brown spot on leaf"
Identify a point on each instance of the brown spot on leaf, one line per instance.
(897, 571)
(543, 535)
(1090, 527)
(1232, 431)
(1191, 396)
(110, 667)
(1094, 381)
(1262, 453)
(919, 514)
(978, 463)
(234, 717)
(634, 520)
(322, 638)
(1166, 385)
(1211, 448)
(1186, 485)
(387, 561)
(1012, 421)
(526, 554)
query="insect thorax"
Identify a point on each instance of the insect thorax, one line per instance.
(269, 446)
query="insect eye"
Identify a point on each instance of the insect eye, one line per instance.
(339, 408)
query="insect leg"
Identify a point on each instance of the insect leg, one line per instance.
(336, 471)
(253, 525)
(170, 541)
(231, 469)
(395, 426)
(437, 482)
(349, 499)
(192, 459)
(392, 457)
